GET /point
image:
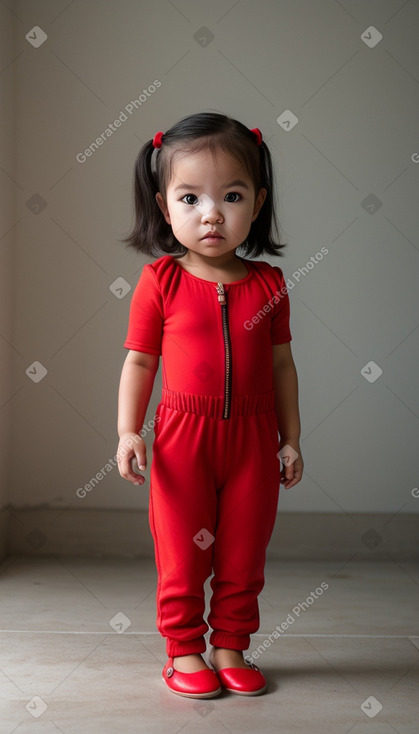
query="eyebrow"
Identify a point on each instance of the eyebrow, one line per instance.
(237, 182)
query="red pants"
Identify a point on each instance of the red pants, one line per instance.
(214, 486)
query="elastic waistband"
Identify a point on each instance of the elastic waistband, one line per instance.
(213, 406)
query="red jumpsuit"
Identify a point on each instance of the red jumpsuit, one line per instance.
(215, 474)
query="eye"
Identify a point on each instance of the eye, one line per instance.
(190, 202)
(193, 203)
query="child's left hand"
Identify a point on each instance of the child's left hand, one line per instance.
(291, 472)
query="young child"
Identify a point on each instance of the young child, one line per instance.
(229, 384)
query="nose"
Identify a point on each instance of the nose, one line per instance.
(211, 213)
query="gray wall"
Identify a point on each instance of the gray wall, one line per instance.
(355, 145)
(8, 217)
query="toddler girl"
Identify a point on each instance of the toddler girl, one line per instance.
(229, 384)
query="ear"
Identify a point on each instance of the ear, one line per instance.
(259, 203)
(163, 207)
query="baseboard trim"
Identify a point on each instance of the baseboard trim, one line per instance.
(107, 533)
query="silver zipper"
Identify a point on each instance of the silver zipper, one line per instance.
(227, 349)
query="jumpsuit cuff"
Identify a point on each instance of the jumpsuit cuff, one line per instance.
(175, 648)
(231, 642)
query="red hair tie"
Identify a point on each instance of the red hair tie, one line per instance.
(158, 140)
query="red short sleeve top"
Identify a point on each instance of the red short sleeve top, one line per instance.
(178, 315)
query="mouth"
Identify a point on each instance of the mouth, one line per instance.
(212, 236)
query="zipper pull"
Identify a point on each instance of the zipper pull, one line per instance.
(220, 291)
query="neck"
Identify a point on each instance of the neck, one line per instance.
(221, 262)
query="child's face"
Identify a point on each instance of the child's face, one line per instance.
(199, 199)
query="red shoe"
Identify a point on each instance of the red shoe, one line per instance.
(202, 684)
(244, 681)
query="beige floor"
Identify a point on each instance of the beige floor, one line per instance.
(79, 651)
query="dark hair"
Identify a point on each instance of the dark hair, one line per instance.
(206, 130)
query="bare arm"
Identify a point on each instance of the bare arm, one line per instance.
(135, 388)
(287, 411)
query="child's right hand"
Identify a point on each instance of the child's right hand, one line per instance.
(131, 446)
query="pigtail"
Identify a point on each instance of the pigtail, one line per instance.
(150, 227)
(264, 235)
